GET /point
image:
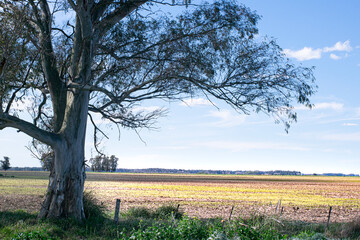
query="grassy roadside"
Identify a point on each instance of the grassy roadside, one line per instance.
(162, 223)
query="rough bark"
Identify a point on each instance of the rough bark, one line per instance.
(66, 184)
(64, 197)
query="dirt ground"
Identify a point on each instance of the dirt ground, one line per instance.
(32, 203)
(246, 209)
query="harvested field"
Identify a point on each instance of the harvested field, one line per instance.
(305, 198)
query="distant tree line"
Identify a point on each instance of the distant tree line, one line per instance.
(228, 172)
(103, 163)
(183, 171)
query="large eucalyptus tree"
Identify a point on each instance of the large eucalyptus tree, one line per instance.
(71, 59)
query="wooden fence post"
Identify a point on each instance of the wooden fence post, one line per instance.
(278, 207)
(328, 221)
(232, 209)
(117, 210)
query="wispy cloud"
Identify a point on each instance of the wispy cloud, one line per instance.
(323, 106)
(350, 124)
(235, 146)
(339, 46)
(147, 109)
(354, 137)
(329, 105)
(308, 53)
(195, 102)
(227, 118)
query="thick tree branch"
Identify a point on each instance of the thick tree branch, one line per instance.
(72, 4)
(7, 120)
(56, 87)
(117, 15)
(99, 9)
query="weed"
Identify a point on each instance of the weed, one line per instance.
(351, 229)
(166, 211)
(92, 208)
(38, 235)
(139, 212)
(309, 236)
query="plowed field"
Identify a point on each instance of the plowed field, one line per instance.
(306, 198)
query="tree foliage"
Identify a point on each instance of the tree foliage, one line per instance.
(208, 51)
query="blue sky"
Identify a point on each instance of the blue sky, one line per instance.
(196, 135)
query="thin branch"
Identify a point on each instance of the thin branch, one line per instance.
(63, 32)
(22, 86)
(96, 127)
(43, 102)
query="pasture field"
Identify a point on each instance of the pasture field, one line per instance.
(304, 198)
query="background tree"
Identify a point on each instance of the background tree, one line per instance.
(103, 163)
(110, 56)
(113, 163)
(96, 163)
(5, 164)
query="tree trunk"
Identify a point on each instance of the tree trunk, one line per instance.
(64, 197)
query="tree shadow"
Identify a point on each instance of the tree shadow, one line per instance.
(8, 218)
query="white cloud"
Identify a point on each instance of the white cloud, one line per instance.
(235, 146)
(339, 46)
(343, 137)
(350, 124)
(329, 105)
(195, 102)
(306, 53)
(334, 56)
(359, 65)
(227, 118)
